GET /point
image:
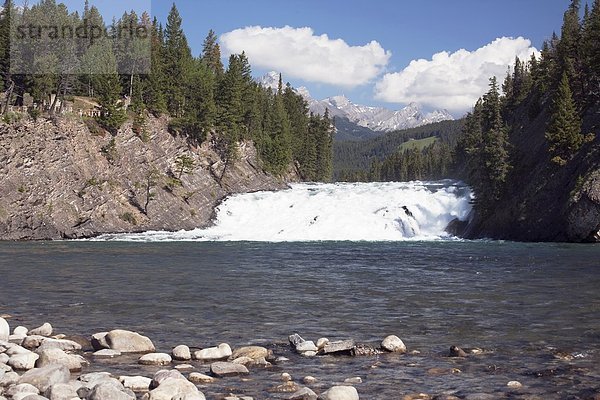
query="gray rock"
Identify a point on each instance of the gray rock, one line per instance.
(136, 383)
(52, 356)
(62, 344)
(322, 342)
(43, 378)
(9, 378)
(221, 352)
(31, 397)
(303, 394)
(155, 359)
(221, 369)
(21, 388)
(354, 380)
(20, 331)
(305, 346)
(32, 342)
(163, 374)
(44, 330)
(253, 352)
(129, 342)
(61, 391)
(109, 390)
(92, 379)
(338, 346)
(340, 393)
(98, 341)
(295, 340)
(393, 344)
(23, 361)
(4, 358)
(4, 329)
(174, 388)
(309, 380)
(182, 353)
(197, 377)
(16, 349)
(107, 353)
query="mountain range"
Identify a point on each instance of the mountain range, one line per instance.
(360, 122)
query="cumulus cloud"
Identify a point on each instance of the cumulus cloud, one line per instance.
(453, 81)
(299, 53)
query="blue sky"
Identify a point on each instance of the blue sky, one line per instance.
(373, 42)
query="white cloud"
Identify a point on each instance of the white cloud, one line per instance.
(299, 53)
(453, 81)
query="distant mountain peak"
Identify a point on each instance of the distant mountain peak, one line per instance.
(376, 119)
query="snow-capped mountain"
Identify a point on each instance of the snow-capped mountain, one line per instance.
(377, 119)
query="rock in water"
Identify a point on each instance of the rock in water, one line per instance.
(253, 352)
(340, 393)
(221, 369)
(456, 351)
(99, 341)
(182, 353)
(4, 329)
(129, 342)
(295, 340)
(339, 346)
(107, 353)
(220, 352)
(44, 330)
(43, 378)
(174, 388)
(197, 377)
(303, 394)
(393, 344)
(155, 359)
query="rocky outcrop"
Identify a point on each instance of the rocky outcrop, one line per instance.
(60, 180)
(545, 202)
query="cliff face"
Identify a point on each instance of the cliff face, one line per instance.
(546, 202)
(58, 180)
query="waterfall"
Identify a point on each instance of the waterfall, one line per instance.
(389, 211)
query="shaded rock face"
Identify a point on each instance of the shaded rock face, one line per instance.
(58, 180)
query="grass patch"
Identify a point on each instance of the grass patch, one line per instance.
(417, 144)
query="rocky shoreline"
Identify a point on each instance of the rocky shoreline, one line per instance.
(38, 364)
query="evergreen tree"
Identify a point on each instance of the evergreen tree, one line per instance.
(591, 54)
(177, 61)
(564, 133)
(211, 54)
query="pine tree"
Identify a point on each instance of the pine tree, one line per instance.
(211, 54)
(591, 53)
(564, 132)
(177, 61)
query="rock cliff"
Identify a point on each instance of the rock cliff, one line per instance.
(59, 180)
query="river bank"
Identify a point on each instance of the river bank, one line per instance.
(122, 364)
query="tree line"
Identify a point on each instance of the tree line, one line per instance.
(562, 83)
(158, 75)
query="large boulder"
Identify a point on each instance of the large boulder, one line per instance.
(62, 344)
(164, 374)
(303, 394)
(340, 393)
(129, 342)
(221, 352)
(21, 388)
(98, 341)
(4, 329)
(43, 378)
(50, 356)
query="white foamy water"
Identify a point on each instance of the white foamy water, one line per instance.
(390, 211)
